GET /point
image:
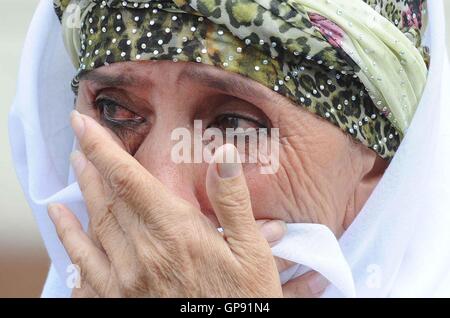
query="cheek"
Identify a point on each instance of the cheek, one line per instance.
(271, 195)
(266, 201)
(310, 185)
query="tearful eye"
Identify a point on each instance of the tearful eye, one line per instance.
(114, 113)
(130, 127)
(236, 121)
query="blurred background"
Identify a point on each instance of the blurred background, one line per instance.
(23, 259)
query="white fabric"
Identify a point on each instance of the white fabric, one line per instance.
(314, 246)
(397, 246)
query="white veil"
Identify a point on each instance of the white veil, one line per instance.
(397, 246)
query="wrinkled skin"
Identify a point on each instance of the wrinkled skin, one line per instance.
(324, 177)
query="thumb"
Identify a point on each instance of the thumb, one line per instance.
(229, 196)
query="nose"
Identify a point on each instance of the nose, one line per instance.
(185, 180)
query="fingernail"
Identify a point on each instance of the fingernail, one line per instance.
(317, 284)
(273, 231)
(77, 123)
(53, 212)
(228, 162)
(78, 161)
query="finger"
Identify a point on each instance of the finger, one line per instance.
(86, 291)
(309, 285)
(103, 223)
(91, 187)
(229, 196)
(283, 264)
(126, 177)
(90, 183)
(272, 230)
(93, 263)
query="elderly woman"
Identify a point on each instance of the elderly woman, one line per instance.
(334, 83)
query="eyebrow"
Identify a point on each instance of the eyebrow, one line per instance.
(208, 77)
(233, 85)
(122, 79)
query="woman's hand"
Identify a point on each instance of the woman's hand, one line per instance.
(154, 244)
(146, 242)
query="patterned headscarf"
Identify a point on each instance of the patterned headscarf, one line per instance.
(359, 64)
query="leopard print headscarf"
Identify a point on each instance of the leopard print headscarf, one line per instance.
(359, 64)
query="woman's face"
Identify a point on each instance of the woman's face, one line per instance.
(323, 176)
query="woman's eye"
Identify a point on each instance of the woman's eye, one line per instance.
(234, 122)
(114, 113)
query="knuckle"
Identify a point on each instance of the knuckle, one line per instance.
(77, 253)
(88, 183)
(92, 148)
(194, 245)
(234, 197)
(122, 179)
(104, 225)
(64, 233)
(79, 257)
(95, 202)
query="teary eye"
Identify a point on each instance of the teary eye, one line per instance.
(112, 112)
(235, 121)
